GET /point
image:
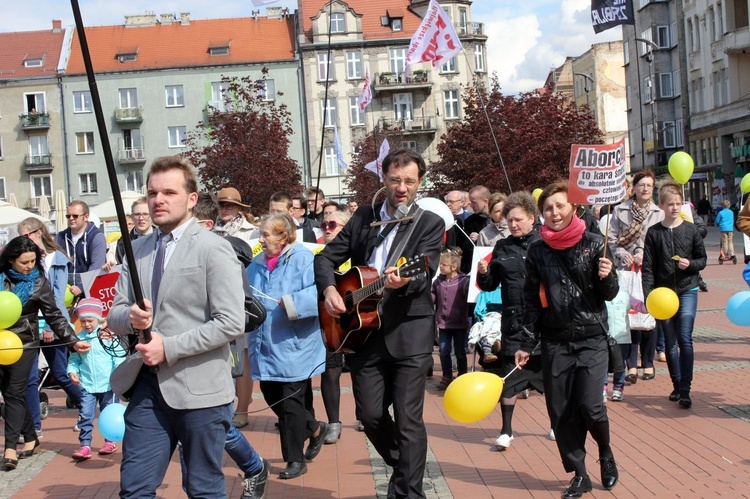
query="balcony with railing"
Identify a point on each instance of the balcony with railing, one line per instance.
(466, 29)
(737, 41)
(129, 114)
(131, 155)
(416, 125)
(34, 121)
(401, 81)
(38, 162)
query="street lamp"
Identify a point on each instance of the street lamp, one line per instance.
(586, 85)
(651, 47)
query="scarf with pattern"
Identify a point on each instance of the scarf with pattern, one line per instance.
(634, 229)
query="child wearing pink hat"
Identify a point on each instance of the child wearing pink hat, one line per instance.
(91, 370)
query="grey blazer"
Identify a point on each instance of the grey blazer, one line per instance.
(200, 309)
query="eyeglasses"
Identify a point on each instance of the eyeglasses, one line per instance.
(29, 233)
(73, 217)
(140, 215)
(298, 208)
(409, 182)
(330, 225)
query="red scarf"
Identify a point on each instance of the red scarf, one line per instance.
(272, 261)
(566, 238)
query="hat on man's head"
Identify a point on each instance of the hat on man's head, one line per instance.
(231, 195)
(90, 307)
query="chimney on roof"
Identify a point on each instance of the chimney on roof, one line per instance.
(56, 25)
(184, 18)
(147, 19)
(167, 18)
(273, 12)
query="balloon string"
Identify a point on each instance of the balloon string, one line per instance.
(518, 366)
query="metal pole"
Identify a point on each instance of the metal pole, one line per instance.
(107, 151)
(651, 48)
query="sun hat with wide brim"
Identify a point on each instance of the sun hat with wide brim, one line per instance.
(231, 195)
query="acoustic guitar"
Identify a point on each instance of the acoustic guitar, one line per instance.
(362, 291)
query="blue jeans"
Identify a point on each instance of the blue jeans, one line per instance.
(32, 395)
(678, 335)
(88, 411)
(152, 430)
(458, 337)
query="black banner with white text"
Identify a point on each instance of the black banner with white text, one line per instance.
(606, 14)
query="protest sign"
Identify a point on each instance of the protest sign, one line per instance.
(597, 173)
(101, 285)
(480, 253)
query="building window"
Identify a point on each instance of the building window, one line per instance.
(697, 24)
(356, 116)
(268, 91)
(325, 68)
(649, 133)
(647, 93)
(128, 98)
(219, 91)
(676, 91)
(451, 104)
(38, 149)
(35, 103)
(329, 110)
(134, 180)
(662, 37)
(3, 193)
(479, 58)
(332, 166)
(85, 143)
(82, 102)
(354, 65)
(397, 24)
(711, 24)
(668, 136)
(175, 95)
(219, 50)
(403, 107)
(1, 148)
(449, 66)
(626, 52)
(338, 23)
(690, 35)
(628, 98)
(87, 182)
(673, 34)
(33, 63)
(409, 144)
(41, 185)
(644, 48)
(720, 16)
(398, 60)
(665, 85)
(177, 136)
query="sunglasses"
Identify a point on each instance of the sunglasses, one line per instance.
(29, 234)
(74, 217)
(330, 225)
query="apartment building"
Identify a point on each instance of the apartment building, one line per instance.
(32, 148)
(373, 37)
(157, 77)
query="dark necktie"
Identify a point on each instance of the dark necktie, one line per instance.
(158, 270)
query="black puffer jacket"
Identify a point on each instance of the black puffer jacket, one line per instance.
(42, 298)
(508, 268)
(568, 315)
(660, 270)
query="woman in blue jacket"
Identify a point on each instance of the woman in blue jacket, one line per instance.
(56, 269)
(287, 350)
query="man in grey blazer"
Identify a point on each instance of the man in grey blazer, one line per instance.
(179, 384)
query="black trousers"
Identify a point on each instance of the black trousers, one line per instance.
(379, 380)
(296, 415)
(574, 373)
(13, 383)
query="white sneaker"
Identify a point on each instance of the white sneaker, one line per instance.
(604, 396)
(552, 434)
(503, 441)
(617, 395)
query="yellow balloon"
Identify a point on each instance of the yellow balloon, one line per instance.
(472, 396)
(745, 183)
(536, 193)
(681, 167)
(662, 303)
(11, 348)
(69, 296)
(113, 236)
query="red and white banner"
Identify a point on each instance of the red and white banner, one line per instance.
(597, 173)
(376, 166)
(435, 40)
(366, 96)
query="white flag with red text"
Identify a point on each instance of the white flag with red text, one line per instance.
(366, 97)
(435, 40)
(376, 166)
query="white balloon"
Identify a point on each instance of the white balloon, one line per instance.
(603, 223)
(438, 208)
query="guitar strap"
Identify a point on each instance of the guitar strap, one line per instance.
(396, 254)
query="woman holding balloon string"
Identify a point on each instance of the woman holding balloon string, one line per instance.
(674, 255)
(627, 232)
(56, 265)
(507, 269)
(22, 274)
(571, 324)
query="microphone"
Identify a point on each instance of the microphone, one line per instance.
(401, 212)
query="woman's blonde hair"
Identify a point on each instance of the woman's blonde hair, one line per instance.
(34, 224)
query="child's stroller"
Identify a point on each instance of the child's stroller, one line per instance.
(48, 381)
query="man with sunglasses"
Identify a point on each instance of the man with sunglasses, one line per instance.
(143, 227)
(84, 243)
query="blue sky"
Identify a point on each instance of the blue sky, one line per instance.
(526, 37)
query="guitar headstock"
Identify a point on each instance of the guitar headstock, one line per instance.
(413, 266)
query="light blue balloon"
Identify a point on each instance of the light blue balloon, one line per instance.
(738, 308)
(112, 422)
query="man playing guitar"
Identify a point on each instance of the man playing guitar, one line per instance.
(390, 367)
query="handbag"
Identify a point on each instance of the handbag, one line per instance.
(630, 281)
(238, 366)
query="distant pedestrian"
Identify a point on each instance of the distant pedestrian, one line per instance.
(725, 222)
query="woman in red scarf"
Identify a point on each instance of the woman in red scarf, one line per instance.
(568, 279)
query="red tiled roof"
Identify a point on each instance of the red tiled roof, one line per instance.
(371, 12)
(175, 45)
(18, 46)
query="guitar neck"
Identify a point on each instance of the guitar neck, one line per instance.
(370, 289)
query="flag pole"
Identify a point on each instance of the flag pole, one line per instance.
(109, 160)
